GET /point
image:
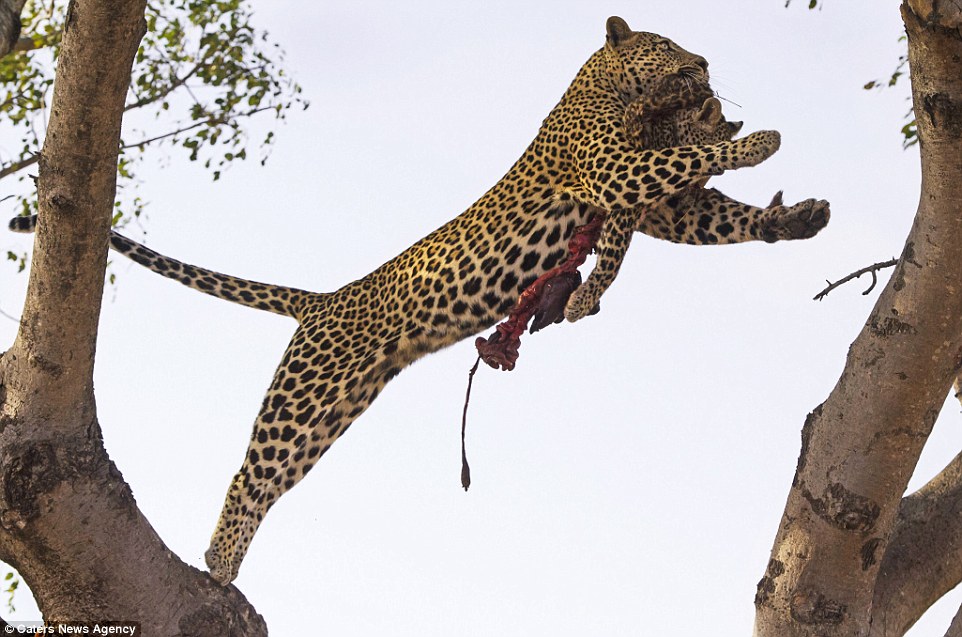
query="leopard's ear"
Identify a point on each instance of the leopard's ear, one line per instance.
(710, 113)
(734, 127)
(618, 31)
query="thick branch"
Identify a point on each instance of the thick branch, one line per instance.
(955, 628)
(923, 560)
(860, 447)
(9, 24)
(68, 521)
(24, 44)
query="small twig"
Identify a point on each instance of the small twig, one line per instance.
(465, 469)
(872, 269)
(9, 169)
(216, 119)
(12, 318)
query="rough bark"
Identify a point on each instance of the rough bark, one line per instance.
(860, 447)
(923, 560)
(68, 521)
(955, 628)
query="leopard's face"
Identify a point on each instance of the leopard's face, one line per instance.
(707, 125)
(637, 61)
(703, 125)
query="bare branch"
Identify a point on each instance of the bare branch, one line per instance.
(210, 120)
(17, 166)
(872, 269)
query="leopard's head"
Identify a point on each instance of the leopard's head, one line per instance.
(638, 61)
(703, 125)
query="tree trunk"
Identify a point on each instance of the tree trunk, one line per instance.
(860, 447)
(68, 521)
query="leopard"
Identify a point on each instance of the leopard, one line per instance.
(459, 279)
(695, 215)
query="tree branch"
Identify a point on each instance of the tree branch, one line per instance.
(923, 560)
(9, 24)
(176, 83)
(875, 267)
(17, 166)
(218, 119)
(68, 521)
(24, 44)
(860, 447)
(955, 628)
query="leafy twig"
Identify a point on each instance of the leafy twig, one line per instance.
(872, 269)
(176, 83)
(215, 119)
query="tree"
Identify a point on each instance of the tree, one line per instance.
(43, 364)
(63, 503)
(9, 24)
(852, 556)
(199, 75)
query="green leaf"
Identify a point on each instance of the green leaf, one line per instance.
(910, 134)
(203, 70)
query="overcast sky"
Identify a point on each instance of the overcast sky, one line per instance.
(630, 474)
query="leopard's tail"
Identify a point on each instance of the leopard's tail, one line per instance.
(262, 296)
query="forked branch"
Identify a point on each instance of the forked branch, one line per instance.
(872, 269)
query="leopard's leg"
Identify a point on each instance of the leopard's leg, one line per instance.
(612, 247)
(708, 216)
(642, 178)
(306, 409)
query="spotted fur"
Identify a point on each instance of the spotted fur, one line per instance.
(694, 215)
(457, 281)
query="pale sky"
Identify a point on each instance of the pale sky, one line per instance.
(629, 475)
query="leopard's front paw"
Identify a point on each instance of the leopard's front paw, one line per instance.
(745, 152)
(583, 302)
(802, 221)
(760, 146)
